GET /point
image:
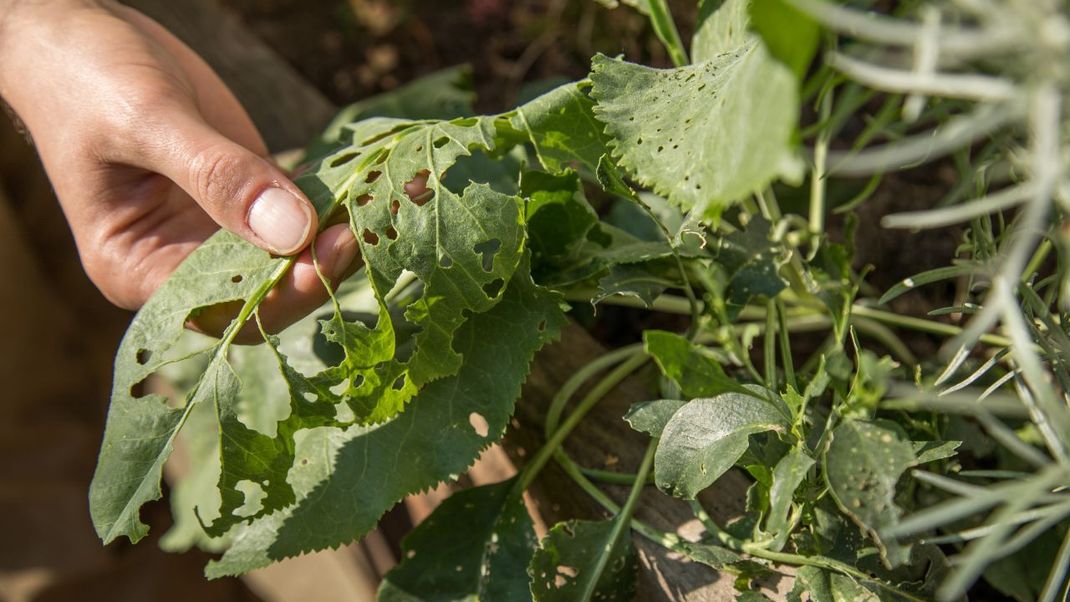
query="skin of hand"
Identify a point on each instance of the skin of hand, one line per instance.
(150, 153)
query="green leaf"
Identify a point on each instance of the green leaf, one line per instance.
(863, 463)
(688, 365)
(558, 216)
(140, 430)
(703, 135)
(562, 127)
(788, 474)
(580, 560)
(931, 451)
(721, 559)
(812, 581)
(707, 436)
(643, 282)
(650, 417)
(475, 546)
(790, 35)
(752, 262)
(445, 94)
(721, 27)
(345, 479)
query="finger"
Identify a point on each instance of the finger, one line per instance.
(300, 291)
(417, 188)
(240, 190)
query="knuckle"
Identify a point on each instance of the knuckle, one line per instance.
(212, 174)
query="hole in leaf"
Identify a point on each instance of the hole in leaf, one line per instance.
(391, 233)
(542, 326)
(493, 287)
(421, 199)
(488, 249)
(143, 356)
(445, 261)
(236, 279)
(346, 158)
(370, 237)
(467, 122)
(309, 396)
(639, 141)
(140, 388)
(394, 206)
(357, 381)
(443, 141)
(479, 424)
(399, 384)
(419, 148)
(372, 176)
(363, 200)
(340, 387)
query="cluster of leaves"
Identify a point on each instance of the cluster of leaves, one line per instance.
(655, 188)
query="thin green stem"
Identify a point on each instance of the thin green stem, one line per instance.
(769, 344)
(531, 470)
(817, 178)
(665, 29)
(785, 347)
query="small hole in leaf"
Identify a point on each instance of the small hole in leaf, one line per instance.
(445, 261)
(346, 158)
(493, 287)
(236, 279)
(370, 237)
(488, 249)
(479, 424)
(639, 141)
(363, 200)
(419, 148)
(357, 381)
(661, 148)
(143, 356)
(395, 205)
(399, 384)
(542, 326)
(391, 233)
(372, 176)
(304, 461)
(309, 396)
(441, 142)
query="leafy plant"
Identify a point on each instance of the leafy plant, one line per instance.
(879, 477)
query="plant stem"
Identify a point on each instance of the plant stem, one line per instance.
(817, 177)
(665, 28)
(531, 470)
(785, 347)
(769, 344)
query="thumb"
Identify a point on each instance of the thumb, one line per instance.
(240, 190)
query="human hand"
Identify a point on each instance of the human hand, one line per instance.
(149, 153)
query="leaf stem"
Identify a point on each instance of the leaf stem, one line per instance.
(665, 29)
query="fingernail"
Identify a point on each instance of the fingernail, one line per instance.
(280, 219)
(345, 251)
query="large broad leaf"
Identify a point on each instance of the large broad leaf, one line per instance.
(707, 436)
(702, 135)
(345, 479)
(475, 546)
(863, 464)
(580, 561)
(650, 417)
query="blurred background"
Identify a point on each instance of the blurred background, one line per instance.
(292, 63)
